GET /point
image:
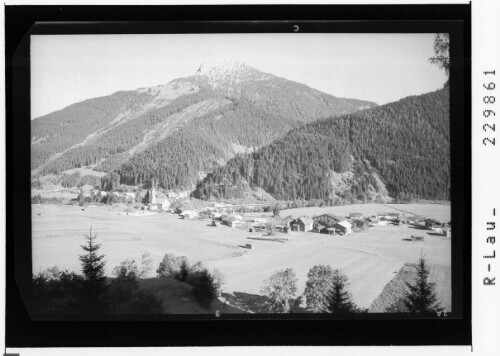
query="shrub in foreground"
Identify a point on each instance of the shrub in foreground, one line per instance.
(280, 289)
(320, 279)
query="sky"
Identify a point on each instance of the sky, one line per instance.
(66, 69)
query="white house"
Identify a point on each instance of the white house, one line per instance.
(163, 203)
(344, 226)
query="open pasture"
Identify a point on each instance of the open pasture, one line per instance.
(370, 259)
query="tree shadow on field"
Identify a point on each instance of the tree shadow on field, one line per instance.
(252, 302)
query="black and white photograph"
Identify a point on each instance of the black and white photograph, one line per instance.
(241, 173)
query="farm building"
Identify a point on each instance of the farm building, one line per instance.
(344, 227)
(404, 220)
(355, 216)
(388, 216)
(328, 230)
(328, 219)
(233, 220)
(189, 214)
(260, 219)
(375, 222)
(419, 222)
(216, 215)
(431, 224)
(358, 224)
(302, 224)
(284, 225)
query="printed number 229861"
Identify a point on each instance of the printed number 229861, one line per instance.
(488, 112)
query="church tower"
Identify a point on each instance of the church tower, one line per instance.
(152, 193)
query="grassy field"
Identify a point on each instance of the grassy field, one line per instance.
(370, 259)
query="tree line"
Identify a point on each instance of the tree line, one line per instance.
(327, 291)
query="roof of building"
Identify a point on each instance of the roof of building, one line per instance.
(231, 217)
(336, 217)
(434, 221)
(345, 224)
(305, 220)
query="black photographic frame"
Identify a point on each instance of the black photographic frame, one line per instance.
(207, 330)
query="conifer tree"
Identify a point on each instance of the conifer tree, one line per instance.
(421, 297)
(338, 299)
(93, 294)
(204, 289)
(442, 52)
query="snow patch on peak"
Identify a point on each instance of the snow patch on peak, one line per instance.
(228, 67)
(227, 75)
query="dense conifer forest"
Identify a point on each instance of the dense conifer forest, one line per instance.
(55, 132)
(406, 143)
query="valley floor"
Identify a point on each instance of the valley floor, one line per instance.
(370, 259)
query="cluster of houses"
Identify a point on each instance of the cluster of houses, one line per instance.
(324, 224)
(329, 224)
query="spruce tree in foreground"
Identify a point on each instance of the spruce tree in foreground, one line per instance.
(421, 297)
(93, 293)
(338, 300)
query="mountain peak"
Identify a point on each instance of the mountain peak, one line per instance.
(229, 67)
(227, 75)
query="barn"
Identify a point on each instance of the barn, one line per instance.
(302, 224)
(431, 224)
(328, 219)
(344, 227)
(233, 220)
(358, 225)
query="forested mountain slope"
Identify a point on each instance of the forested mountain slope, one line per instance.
(179, 131)
(403, 147)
